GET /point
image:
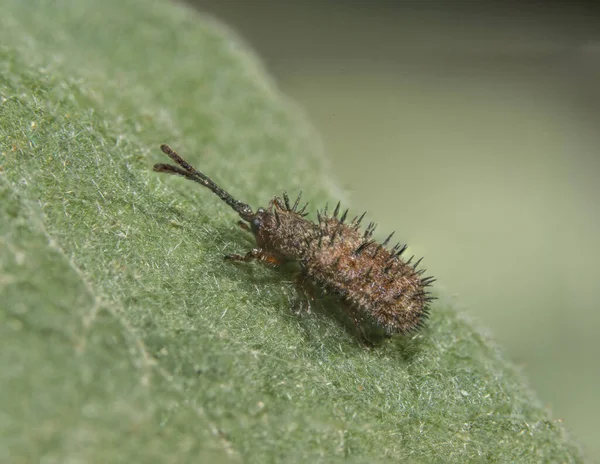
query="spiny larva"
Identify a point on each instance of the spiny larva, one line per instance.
(374, 283)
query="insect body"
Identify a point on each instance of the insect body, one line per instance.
(373, 281)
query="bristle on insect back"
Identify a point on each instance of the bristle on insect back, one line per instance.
(373, 281)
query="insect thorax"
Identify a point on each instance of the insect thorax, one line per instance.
(284, 232)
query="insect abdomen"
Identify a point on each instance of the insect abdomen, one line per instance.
(372, 280)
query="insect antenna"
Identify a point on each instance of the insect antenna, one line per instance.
(189, 172)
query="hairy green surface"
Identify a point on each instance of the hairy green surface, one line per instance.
(125, 337)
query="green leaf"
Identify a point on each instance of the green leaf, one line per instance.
(125, 337)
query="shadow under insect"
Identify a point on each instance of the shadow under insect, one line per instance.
(374, 288)
(313, 297)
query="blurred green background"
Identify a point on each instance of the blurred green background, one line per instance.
(472, 130)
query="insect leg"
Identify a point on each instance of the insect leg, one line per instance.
(255, 254)
(244, 225)
(358, 322)
(305, 292)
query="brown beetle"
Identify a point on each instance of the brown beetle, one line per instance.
(374, 282)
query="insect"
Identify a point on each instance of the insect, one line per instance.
(374, 283)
